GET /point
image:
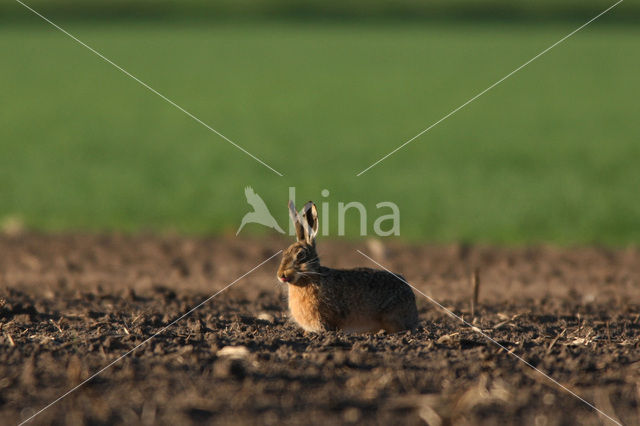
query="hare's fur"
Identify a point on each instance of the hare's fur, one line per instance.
(352, 300)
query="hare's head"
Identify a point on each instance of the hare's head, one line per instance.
(300, 260)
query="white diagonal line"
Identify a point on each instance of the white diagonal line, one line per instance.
(492, 340)
(492, 86)
(75, 388)
(145, 85)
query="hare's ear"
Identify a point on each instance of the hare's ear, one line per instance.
(311, 218)
(295, 218)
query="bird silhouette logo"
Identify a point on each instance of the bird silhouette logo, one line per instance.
(260, 213)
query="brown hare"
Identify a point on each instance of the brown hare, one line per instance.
(352, 300)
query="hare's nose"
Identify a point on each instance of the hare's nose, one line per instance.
(283, 279)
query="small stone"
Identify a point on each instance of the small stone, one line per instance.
(235, 352)
(263, 316)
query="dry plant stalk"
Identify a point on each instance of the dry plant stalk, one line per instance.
(475, 284)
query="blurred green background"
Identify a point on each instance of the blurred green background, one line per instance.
(319, 91)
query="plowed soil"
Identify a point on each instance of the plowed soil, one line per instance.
(72, 304)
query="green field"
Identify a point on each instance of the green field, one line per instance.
(552, 154)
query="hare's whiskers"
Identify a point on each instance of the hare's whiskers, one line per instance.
(310, 273)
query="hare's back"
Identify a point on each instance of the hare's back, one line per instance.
(373, 287)
(365, 299)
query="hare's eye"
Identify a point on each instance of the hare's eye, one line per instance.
(300, 255)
